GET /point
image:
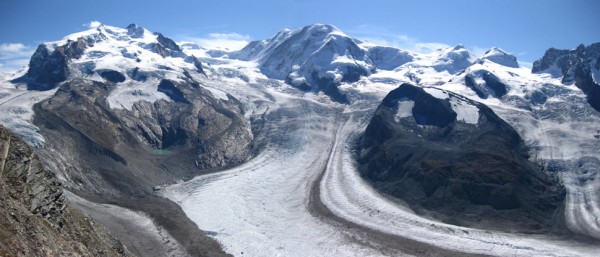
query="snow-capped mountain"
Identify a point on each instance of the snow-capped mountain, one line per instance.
(123, 95)
(108, 53)
(316, 57)
(119, 112)
(580, 66)
(499, 56)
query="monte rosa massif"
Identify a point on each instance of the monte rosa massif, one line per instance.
(121, 141)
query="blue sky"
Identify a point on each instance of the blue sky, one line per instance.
(524, 28)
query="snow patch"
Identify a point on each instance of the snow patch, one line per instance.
(405, 107)
(219, 94)
(16, 107)
(465, 111)
(123, 97)
(437, 93)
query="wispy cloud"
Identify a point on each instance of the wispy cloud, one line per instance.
(92, 24)
(386, 37)
(14, 56)
(383, 36)
(220, 41)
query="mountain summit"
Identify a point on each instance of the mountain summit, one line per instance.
(317, 57)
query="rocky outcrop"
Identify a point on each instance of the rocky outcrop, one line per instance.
(165, 46)
(491, 86)
(167, 42)
(112, 76)
(135, 31)
(580, 66)
(34, 216)
(445, 162)
(198, 65)
(48, 68)
(122, 152)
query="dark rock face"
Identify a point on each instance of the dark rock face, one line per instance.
(135, 31)
(197, 63)
(137, 75)
(47, 68)
(167, 42)
(470, 83)
(469, 174)
(34, 216)
(492, 87)
(498, 88)
(576, 66)
(112, 76)
(165, 46)
(166, 86)
(120, 152)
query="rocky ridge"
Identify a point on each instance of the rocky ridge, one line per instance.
(580, 66)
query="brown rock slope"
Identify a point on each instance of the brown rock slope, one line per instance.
(34, 217)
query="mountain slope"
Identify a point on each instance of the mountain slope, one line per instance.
(35, 219)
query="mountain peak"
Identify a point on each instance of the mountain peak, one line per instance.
(100, 51)
(501, 57)
(458, 47)
(324, 28)
(453, 59)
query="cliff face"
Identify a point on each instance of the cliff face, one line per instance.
(579, 66)
(34, 217)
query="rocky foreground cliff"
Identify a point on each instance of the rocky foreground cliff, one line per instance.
(35, 220)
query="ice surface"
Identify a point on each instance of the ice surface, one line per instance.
(405, 107)
(123, 221)
(16, 109)
(260, 207)
(465, 112)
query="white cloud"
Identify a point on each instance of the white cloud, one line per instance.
(11, 47)
(382, 36)
(14, 56)
(229, 36)
(220, 41)
(92, 24)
